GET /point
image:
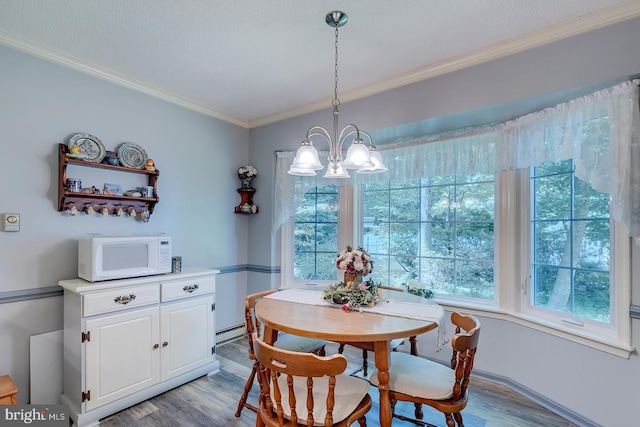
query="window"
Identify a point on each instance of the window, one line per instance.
(437, 231)
(570, 244)
(315, 235)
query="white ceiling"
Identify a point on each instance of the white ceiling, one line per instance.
(253, 62)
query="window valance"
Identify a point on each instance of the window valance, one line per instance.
(599, 131)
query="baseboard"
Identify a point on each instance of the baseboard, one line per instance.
(232, 333)
(563, 411)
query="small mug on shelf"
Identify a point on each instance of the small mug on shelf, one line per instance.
(146, 191)
(74, 185)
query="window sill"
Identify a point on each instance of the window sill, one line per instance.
(550, 327)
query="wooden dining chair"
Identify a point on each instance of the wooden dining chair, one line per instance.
(393, 344)
(284, 341)
(303, 389)
(422, 381)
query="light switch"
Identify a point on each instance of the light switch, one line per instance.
(10, 222)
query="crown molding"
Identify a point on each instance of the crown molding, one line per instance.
(615, 14)
(18, 43)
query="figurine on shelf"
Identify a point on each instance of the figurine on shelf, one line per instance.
(151, 167)
(73, 211)
(75, 152)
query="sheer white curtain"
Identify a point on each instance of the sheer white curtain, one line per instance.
(610, 163)
(290, 189)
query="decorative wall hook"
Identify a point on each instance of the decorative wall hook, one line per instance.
(88, 209)
(145, 214)
(73, 211)
(104, 210)
(118, 211)
(131, 210)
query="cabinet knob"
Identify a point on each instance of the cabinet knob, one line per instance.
(155, 347)
(164, 344)
(191, 288)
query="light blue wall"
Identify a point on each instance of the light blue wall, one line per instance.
(41, 105)
(598, 388)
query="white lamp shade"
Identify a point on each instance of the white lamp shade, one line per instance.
(339, 172)
(306, 158)
(301, 172)
(357, 156)
(378, 165)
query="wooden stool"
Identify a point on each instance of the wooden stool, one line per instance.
(8, 391)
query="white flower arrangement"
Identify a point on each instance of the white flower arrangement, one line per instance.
(246, 172)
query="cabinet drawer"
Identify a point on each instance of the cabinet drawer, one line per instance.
(120, 299)
(188, 288)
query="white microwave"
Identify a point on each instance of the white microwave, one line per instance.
(102, 257)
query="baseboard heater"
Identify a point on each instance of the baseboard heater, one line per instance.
(232, 333)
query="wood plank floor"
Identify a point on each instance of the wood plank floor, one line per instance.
(212, 401)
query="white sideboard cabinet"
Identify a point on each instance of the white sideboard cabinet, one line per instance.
(128, 340)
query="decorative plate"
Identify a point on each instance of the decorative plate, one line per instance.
(91, 148)
(132, 155)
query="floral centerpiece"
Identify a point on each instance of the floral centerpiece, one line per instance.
(352, 295)
(246, 174)
(353, 292)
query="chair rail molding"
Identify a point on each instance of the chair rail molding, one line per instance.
(29, 294)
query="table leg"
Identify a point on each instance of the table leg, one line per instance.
(270, 335)
(381, 349)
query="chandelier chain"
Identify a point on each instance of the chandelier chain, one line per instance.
(336, 101)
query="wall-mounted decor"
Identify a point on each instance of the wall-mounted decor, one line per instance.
(111, 200)
(246, 175)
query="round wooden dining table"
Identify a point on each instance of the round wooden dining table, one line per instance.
(369, 331)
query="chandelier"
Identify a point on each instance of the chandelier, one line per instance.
(359, 156)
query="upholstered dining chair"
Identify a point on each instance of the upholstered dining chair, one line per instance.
(422, 381)
(284, 341)
(303, 389)
(393, 344)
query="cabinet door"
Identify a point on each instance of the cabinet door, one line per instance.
(120, 355)
(188, 335)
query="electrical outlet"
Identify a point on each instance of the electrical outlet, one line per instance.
(10, 222)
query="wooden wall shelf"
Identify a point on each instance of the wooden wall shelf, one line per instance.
(246, 206)
(80, 200)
